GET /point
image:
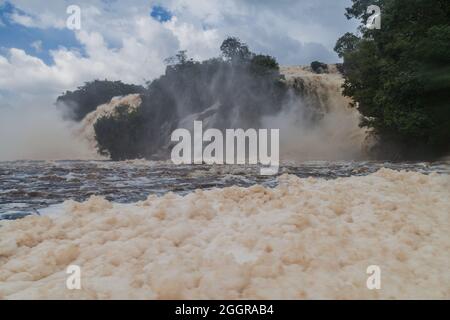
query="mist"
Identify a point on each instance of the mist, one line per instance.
(240, 89)
(318, 124)
(39, 133)
(315, 120)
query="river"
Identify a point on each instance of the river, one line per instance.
(27, 187)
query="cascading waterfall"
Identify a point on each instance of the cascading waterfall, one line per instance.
(316, 123)
(321, 124)
(87, 132)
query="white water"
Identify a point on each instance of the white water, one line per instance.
(305, 239)
(38, 132)
(337, 136)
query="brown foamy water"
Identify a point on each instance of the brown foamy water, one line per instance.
(300, 238)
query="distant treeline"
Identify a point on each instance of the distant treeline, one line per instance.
(399, 75)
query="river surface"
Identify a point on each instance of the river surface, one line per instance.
(27, 187)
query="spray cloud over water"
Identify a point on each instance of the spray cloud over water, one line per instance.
(239, 90)
(318, 123)
(39, 133)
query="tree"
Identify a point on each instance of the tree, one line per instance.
(233, 49)
(319, 67)
(117, 135)
(346, 43)
(180, 59)
(398, 75)
(92, 94)
(264, 65)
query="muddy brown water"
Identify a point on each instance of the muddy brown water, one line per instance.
(27, 187)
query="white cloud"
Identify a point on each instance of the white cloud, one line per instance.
(257, 22)
(24, 20)
(42, 20)
(200, 44)
(138, 57)
(121, 41)
(37, 45)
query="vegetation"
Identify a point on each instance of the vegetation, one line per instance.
(88, 97)
(399, 75)
(319, 67)
(242, 84)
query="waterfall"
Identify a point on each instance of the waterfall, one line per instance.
(87, 132)
(316, 122)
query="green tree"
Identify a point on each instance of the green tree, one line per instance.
(264, 65)
(399, 75)
(319, 67)
(347, 43)
(92, 94)
(233, 49)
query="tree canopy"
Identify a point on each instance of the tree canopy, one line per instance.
(399, 75)
(92, 94)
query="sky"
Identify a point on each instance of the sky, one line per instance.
(40, 57)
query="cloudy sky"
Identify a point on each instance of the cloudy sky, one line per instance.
(129, 40)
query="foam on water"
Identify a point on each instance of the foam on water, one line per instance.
(305, 238)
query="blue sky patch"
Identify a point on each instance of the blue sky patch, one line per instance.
(34, 41)
(160, 14)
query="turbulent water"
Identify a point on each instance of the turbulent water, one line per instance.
(27, 187)
(304, 238)
(154, 230)
(315, 120)
(321, 124)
